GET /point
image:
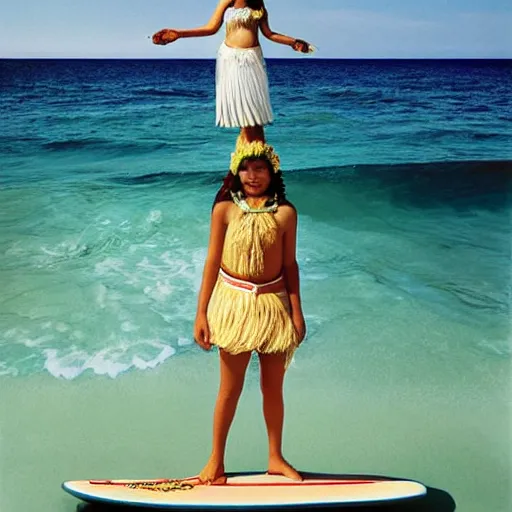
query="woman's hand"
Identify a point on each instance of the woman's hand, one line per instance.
(202, 332)
(300, 326)
(165, 36)
(302, 46)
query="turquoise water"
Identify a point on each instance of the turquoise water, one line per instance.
(103, 277)
(401, 173)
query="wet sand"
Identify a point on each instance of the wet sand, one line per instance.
(446, 426)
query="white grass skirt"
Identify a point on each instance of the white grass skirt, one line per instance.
(242, 88)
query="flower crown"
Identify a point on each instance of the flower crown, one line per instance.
(255, 149)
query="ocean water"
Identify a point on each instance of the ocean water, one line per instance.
(401, 172)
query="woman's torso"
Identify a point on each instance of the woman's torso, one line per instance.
(272, 254)
(242, 25)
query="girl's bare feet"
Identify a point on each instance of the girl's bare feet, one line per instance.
(279, 466)
(213, 473)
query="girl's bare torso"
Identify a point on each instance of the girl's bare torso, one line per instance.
(242, 38)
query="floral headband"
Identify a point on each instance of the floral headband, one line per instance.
(255, 149)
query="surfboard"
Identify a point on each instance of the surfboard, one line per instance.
(246, 491)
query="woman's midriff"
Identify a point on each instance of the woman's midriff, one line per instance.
(241, 38)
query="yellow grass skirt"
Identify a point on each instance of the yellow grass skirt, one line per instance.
(241, 321)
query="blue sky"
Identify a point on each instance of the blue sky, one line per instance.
(339, 28)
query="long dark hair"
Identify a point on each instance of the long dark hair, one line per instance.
(232, 183)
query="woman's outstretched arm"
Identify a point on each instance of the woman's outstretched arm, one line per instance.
(169, 35)
(297, 44)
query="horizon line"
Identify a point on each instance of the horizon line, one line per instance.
(266, 58)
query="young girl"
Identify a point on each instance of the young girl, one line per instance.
(242, 97)
(249, 298)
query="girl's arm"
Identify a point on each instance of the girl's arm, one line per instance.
(291, 272)
(297, 44)
(210, 272)
(166, 35)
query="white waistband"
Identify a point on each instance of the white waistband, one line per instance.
(248, 286)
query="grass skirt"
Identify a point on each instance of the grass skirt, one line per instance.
(242, 95)
(242, 321)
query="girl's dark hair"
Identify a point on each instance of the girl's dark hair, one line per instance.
(232, 183)
(254, 4)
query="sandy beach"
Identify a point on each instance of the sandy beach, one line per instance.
(157, 424)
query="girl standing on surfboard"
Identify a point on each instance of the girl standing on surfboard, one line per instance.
(249, 298)
(242, 96)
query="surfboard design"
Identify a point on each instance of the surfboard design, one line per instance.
(245, 491)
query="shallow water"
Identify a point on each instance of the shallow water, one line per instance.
(103, 277)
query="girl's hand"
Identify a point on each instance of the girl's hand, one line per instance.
(300, 326)
(202, 332)
(165, 36)
(302, 46)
